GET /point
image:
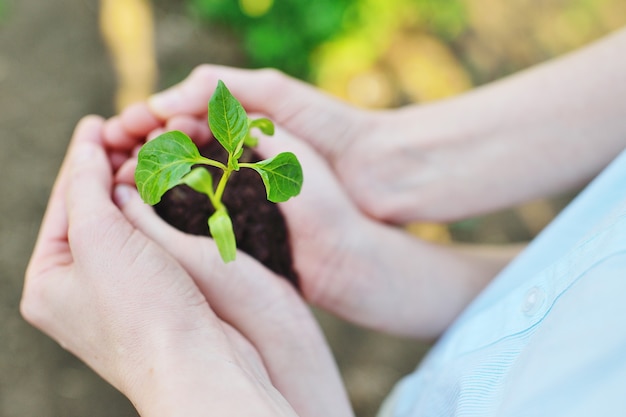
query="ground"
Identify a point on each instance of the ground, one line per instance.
(53, 70)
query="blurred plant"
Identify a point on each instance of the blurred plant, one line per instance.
(278, 34)
(396, 51)
(284, 34)
(445, 19)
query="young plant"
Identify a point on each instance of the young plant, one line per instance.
(172, 159)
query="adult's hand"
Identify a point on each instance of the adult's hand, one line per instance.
(177, 335)
(361, 146)
(543, 131)
(368, 272)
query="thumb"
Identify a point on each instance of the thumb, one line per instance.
(88, 176)
(324, 121)
(187, 249)
(266, 310)
(141, 215)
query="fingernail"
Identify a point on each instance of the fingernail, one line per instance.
(121, 194)
(164, 103)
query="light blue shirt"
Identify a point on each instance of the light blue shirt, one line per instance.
(548, 336)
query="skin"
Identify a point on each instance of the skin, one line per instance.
(159, 316)
(545, 130)
(338, 249)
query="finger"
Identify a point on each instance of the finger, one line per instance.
(261, 306)
(126, 173)
(124, 131)
(117, 159)
(254, 88)
(138, 120)
(197, 254)
(318, 218)
(52, 254)
(156, 132)
(325, 122)
(196, 129)
(116, 137)
(51, 247)
(88, 191)
(144, 218)
(321, 193)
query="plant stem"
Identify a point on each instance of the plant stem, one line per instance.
(211, 162)
(219, 191)
(221, 186)
(214, 201)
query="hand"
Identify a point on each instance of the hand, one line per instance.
(363, 148)
(397, 166)
(525, 137)
(367, 272)
(177, 334)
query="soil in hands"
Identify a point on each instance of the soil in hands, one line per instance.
(259, 226)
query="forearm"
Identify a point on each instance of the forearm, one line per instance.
(203, 385)
(398, 284)
(542, 131)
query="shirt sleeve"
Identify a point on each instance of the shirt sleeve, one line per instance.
(575, 362)
(548, 336)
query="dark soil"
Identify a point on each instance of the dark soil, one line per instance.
(260, 228)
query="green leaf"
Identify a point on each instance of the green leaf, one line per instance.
(200, 180)
(264, 125)
(221, 228)
(250, 141)
(227, 118)
(162, 163)
(282, 176)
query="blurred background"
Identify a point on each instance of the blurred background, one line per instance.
(61, 59)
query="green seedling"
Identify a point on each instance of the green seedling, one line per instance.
(173, 159)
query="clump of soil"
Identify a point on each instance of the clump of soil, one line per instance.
(259, 226)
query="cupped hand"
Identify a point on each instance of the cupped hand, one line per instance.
(368, 272)
(370, 151)
(365, 271)
(177, 332)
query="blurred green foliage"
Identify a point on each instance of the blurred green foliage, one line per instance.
(283, 33)
(444, 18)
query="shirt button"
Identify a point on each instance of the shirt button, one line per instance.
(533, 301)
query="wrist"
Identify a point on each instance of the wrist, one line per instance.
(448, 153)
(197, 381)
(406, 286)
(478, 153)
(184, 370)
(528, 136)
